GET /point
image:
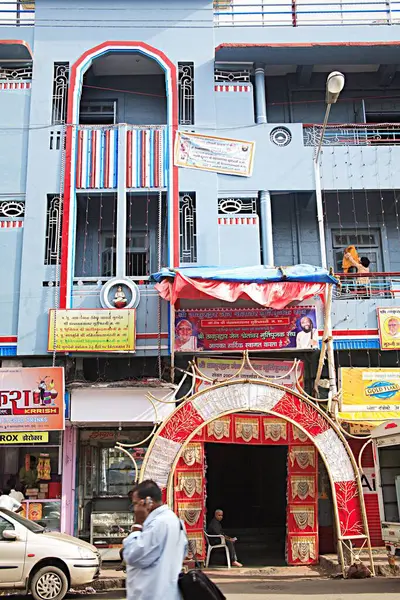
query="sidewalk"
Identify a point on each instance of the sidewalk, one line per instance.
(111, 579)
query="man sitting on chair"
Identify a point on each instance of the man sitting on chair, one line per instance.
(215, 528)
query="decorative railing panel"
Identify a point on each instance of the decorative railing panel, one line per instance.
(147, 157)
(353, 134)
(368, 286)
(97, 158)
(253, 13)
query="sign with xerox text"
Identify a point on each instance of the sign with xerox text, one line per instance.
(98, 330)
(31, 400)
(237, 329)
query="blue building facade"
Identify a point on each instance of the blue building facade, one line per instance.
(91, 99)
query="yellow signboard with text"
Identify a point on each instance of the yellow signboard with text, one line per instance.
(370, 394)
(389, 328)
(97, 330)
(35, 437)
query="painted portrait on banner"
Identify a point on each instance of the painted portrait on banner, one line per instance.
(389, 328)
(254, 329)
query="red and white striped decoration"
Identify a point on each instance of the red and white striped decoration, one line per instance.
(238, 220)
(232, 88)
(15, 85)
(11, 224)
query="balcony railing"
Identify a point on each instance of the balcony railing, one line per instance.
(296, 13)
(360, 286)
(17, 13)
(145, 161)
(353, 134)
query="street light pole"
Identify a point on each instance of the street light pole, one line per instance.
(334, 85)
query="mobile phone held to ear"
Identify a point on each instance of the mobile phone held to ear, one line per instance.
(149, 502)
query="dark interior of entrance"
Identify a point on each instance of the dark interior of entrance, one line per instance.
(249, 484)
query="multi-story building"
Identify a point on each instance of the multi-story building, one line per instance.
(93, 97)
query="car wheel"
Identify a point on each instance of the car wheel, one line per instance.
(49, 583)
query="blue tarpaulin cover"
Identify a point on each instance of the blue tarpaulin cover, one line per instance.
(256, 274)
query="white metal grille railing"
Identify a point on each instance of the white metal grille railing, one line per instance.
(353, 134)
(296, 13)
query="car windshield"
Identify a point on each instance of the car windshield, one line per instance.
(34, 527)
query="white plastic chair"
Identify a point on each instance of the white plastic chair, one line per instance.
(221, 545)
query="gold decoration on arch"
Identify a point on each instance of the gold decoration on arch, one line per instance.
(303, 548)
(298, 434)
(192, 454)
(302, 486)
(190, 512)
(275, 431)
(247, 429)
(190, 483)
(220, 428)
(303, 456)
(197, 541)
(304, 516)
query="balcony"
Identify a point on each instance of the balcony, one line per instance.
(145, 161)
(253, 13)
(355, 134)
(17, 14)
(354, 315)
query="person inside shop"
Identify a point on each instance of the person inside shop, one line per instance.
(215, 528)
(29, 477)
(8, 502)
(16, 489)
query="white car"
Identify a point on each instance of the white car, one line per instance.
(46, 564)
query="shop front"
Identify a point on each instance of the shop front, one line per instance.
(31, 437)
(292, 438)
(104, 418)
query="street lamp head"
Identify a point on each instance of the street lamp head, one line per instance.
(334, 85)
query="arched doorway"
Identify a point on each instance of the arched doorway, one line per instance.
(149, 146)
(253, 396)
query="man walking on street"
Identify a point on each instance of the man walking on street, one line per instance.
(155, 549)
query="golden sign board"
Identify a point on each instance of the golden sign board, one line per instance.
(97, 330)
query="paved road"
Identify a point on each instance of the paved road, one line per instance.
(267, 589)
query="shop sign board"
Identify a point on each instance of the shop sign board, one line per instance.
(389, 328)
(282, 372)
(238, 329)
(371, 394)
(32, 399)
(37, 437)
(92, 330)
(216, 154)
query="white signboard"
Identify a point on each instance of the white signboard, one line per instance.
(210, 153)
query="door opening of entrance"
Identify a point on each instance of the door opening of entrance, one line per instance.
(249, 484)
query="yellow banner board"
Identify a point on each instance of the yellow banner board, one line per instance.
(34, 437)
(87, 330)
(389, 328)
(370, 394)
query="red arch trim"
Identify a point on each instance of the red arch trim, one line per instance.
(69, 158)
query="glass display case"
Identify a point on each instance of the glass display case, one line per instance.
(46, 513)
(117, 472)
(108, 530)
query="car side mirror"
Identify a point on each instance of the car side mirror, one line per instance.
(10, 534)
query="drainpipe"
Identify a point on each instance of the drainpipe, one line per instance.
(261, 103)
(121, 203)
(267, 244)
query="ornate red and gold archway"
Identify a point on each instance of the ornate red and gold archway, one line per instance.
(255, 396)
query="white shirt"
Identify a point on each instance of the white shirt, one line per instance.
(18, 496)
(188, 346)
(9, 503)
(304, 338)
(154, 557)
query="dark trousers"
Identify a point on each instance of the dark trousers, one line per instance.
(231, 548)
